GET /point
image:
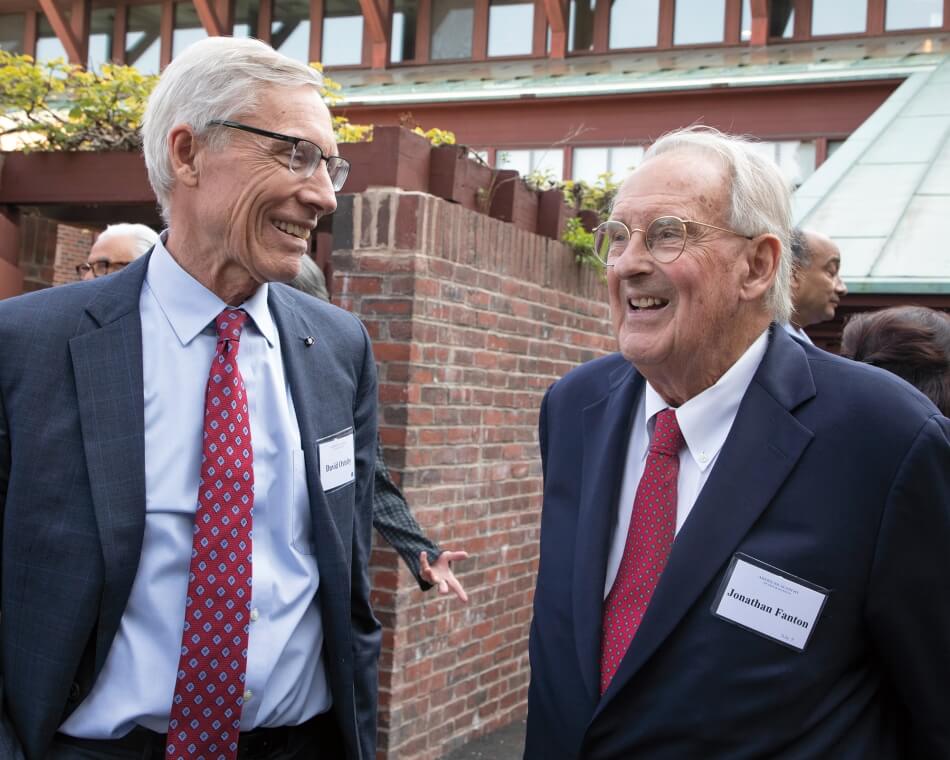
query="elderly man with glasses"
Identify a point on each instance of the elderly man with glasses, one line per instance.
(745, 541)
(117, 246)
(186, 456)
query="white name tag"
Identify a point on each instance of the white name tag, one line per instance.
(337, 461)
(770, 602)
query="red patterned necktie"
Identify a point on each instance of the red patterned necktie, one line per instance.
(649, 540)
(205, 717)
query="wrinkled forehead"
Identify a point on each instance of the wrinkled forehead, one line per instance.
(298, 111)
(113, 248)
(685, 182)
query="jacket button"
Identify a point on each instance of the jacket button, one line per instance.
(74, 692)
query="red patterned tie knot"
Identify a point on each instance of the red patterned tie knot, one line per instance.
(229, 324)
(667, 437)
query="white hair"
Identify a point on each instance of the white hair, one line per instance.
(760, 203)
(216, 78)
(143, 237)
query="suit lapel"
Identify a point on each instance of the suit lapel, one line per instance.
(306, 374)
(107, 363)
(763, 447)
(606, 434)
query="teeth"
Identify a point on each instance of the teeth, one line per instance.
(647, 302)
(293, 229)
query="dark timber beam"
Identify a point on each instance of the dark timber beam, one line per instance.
(376, 26)
(209, 18)
(73, 34)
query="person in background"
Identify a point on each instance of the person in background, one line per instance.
(115, 247)
(745, 540)
(913, 342)
(817, 288)
(429, 564)
(186, 457)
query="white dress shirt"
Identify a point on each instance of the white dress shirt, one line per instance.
(286, 681)
(705, 421)
(797, 332)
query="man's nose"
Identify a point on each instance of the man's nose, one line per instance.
(635, 259)
(840, 288)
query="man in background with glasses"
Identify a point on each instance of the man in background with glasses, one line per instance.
(117, 246)
(745, 541)
(186, 456)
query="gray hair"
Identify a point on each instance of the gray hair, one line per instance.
(311, 280)
(143, 237)
(760, 201)
(216, 78)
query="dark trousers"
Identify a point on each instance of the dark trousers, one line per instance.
(317, 739)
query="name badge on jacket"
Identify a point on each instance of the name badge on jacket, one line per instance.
(769, 601)
(337, 460)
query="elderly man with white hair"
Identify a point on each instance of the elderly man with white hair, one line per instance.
(745, 541)
(186, 457)
(117, 246)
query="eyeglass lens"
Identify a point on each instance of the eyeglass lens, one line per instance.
(665, 239)
(305, 159)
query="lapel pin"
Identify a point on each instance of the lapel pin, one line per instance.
(308, 341)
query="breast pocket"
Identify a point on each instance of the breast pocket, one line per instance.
(301, 519)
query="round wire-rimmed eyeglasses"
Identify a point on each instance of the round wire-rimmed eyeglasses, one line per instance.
(304, 156)
(665, 238)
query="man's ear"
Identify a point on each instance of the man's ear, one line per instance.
(762, 262)
(183, 152)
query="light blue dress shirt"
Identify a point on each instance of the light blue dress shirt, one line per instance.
(286, 678)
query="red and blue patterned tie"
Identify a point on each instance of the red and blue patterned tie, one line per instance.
(205, 717)
(649, 541)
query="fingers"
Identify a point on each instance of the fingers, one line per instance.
(453, 582)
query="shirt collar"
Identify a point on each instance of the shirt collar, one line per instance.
(189, 306)
(706, 419)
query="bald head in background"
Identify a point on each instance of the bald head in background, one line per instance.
(817, 288)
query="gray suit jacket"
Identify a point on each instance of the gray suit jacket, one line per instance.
(72, 495)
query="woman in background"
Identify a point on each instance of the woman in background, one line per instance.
(913, 342)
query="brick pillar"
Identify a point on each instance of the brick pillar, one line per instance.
(72, 248)
(471, 319)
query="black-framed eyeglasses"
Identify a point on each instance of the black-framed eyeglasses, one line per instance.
(99, 268)
(664, 238)
(303, 156)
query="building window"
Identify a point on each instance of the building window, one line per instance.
(548, 162)
(11, 32)
(839, 16)
(590, 163)
(634, 23)
(342, 33)
(580, 25)
(913, 14)
(452, 25)
(101, 24)
(48, 45)
(510, 27)
(143, 47)
(403, 46)
(795, 158)
(188, 28)
(699, 21)
(246, 14)
(290, 29)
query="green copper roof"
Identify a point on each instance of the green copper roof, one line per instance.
(884, 196)
(661, 71)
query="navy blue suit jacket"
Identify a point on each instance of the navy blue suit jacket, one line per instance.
(72, 494)
(833, 471)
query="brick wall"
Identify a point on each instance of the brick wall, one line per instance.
(471, 319)
(72, 248)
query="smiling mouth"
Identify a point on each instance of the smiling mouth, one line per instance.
(646, 303)
(296, 230)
